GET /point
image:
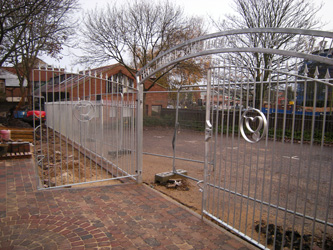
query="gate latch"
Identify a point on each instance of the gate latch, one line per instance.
(208, 131)
(200, 187)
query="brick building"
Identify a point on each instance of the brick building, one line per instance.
(10, 84)
(112, 83)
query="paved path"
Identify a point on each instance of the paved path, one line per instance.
(127, 216)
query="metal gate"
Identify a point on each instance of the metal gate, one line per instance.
(89, 132)
(268, 170)
(268, 137)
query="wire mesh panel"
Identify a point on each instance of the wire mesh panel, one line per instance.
(179, 141)
(90, 130)
(269, 168)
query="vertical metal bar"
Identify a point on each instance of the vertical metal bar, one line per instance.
(290, 159)
(208, 128)
(298, 171)
(309, 163)
(85, 124)
(212, 157)
(221, 142)
(103, 140)
(99, 105)
(216, 75)
(59, 129)
(54, 128)
(238, 140)
(113, 120)
(292, 143)
(89, 128)
(246, 147)
(227, 144)
(174, 140)
(34, 126)
(274, 163)
(233, 141)
(301, 149)
(80, 129)
(312, 140)
(117, 123)
(40, 125)
(127, 128)
(133, 141)
(121, 128)
(247, 75)
(211, 144)
(226, 93)
(139, 132)
(121, 120)
(72, 122)
(47, 124)
(320, 168)
(257, 163)
(265, 157)
(271, 170)
(117, 127)
(66, 125)
(331, 168)
(124, 129)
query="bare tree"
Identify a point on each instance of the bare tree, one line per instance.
(136, 32)
(16, 17)
(267, 14)
(47, 31)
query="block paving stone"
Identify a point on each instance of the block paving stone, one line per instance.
(126, 216)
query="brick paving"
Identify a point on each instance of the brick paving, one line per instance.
(127, 216)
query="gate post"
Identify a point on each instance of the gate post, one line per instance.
(139, 132)
(208, 135)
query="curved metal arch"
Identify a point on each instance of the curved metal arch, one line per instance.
(224, 50)
(195, 48)
(324, 81)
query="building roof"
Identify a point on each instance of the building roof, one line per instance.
(71, 80)
(43, 74)
(9, 74)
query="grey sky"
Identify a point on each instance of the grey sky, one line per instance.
(205, 8)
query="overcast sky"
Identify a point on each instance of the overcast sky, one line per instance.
(205, 8)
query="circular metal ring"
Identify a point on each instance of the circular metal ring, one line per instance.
(262, 125)
(84, 111)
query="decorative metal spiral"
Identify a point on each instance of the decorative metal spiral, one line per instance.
(261, 129)
(84, 111)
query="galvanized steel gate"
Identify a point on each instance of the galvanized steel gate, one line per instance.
(90, 130)
(268, 171)
(268, 157)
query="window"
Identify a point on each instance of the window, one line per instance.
(119, 83)
(130, 82)
(156, 110)
(114, 84)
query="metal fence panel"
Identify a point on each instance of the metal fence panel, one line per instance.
(269, 161)
(268, 155)
(90, 130)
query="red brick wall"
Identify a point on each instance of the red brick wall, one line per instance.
(97, 87)
(13, 92)
(155, 99)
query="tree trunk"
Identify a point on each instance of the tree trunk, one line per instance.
(22, 101)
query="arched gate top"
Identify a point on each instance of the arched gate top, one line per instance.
(305, 44)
